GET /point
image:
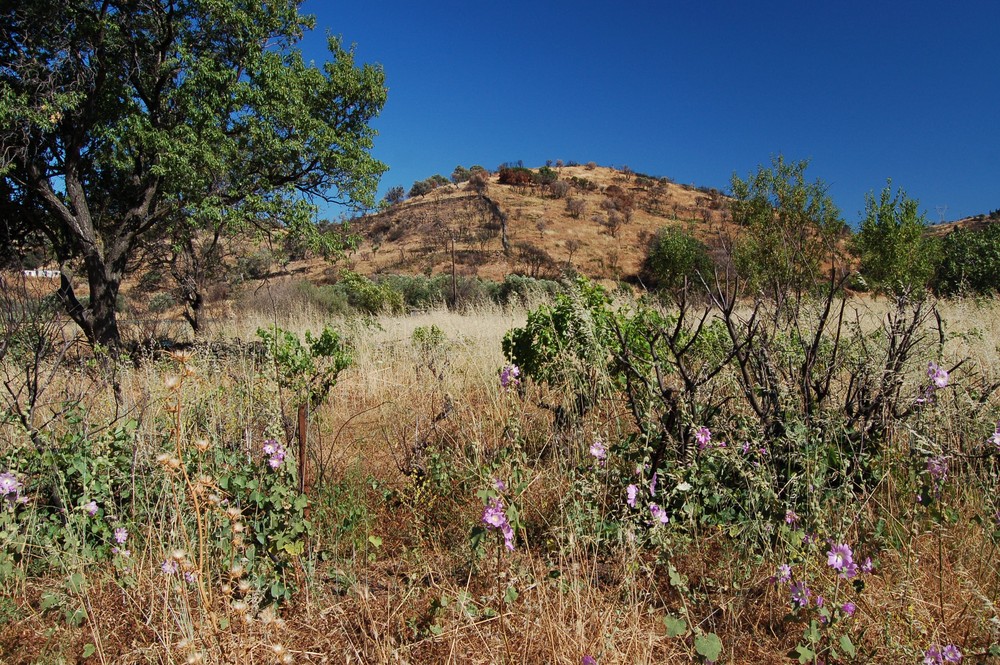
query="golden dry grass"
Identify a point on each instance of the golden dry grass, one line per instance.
(418, 596)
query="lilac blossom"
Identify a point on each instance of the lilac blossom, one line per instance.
(652, 485)
(169, 567)
(995, 439)
(936, 655)
(866, 565)
(937, 374)
(494, 517)
(791, 518)
(598, 451)
(275, 452)
(121, 535)
(801, 594)
(588, 660)
(951, 654)
(631, 492)
(703, 436)
(659, 515)
(784, 573)
(938, 468)
(499, 485)
(848, 608)
(90, 508)
(9, 484)
(510, 377)
(840, 557)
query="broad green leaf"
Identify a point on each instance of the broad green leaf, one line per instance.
(708, 645)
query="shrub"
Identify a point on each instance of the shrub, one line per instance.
(395, 195)
(366, 296)
(970, 261)
(896, 254)
(575, 207)
(674, 255)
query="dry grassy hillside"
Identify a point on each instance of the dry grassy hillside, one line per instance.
(415, 236)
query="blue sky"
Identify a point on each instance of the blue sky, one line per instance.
(694, 90)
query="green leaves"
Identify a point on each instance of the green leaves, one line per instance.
(708, 646)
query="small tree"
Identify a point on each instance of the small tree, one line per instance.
(395, 195)
(896, 254)
(970, 261)
(575, 207)
(790, 231)
(674, 255)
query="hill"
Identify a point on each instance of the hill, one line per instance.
(594, 220)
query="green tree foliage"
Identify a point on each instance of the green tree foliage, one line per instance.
(124, 122)
(790, 230)
(896, 254)
(970, 261)
(674, 254)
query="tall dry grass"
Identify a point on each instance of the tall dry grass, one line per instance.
(408, 436)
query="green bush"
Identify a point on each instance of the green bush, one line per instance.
(970, 262)
(366, 296)
(673, 255)
(896, 254)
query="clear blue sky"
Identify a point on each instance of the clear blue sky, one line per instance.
(694, 90)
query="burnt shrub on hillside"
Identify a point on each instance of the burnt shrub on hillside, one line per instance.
(516, 176)
(535, 261)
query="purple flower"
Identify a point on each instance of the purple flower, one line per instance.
(510, 377)
(652, 485)
(840, 557)
(849, 608)
(190, 576)
(866, 565)
(951, 654)
(631, 492)
(494, 517)
(275, 452)
(499, 485)
(745, 448)
(938, 468)
(598, 451)
(933, 656)
(90, 508)
(801, 594)
(820, 600)
(9, 484)
(703, 436)
(588, 660)
(784, 573)
(169, 567)
(791, 518)
(659, 515)
(121, 535)
(938, 375)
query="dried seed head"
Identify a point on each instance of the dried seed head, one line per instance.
(196, 658)
(226, 590)
(172, 381)
(244, 587)
(287, 659)
(202, 445)
(181, 356)
(178, 555)
(174, 463)
(278, 649)
(240, 606)
(236, 571)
